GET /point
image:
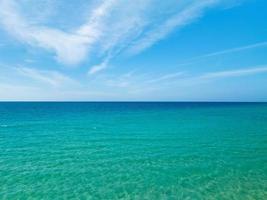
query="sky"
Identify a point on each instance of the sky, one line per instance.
(125, 50)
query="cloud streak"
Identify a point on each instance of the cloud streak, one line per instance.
(103, 65)
(70, 47)
(166, 77)
(185, 79)
(52, 78)
(234, 73)
(112, 27)
(178, 20)
(232, 50)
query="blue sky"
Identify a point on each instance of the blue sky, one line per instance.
(173, 50)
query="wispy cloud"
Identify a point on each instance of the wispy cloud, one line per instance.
(134, 83)
(232, 50)
(223, 52)
(178, 20)
(139, 32)
(70, 47)
(112, 27)
(234, 73)
(186, 79)
(165, 77)
(52, 78)
(103, 65)
(207, 77)
(127, 80)
(194, 87)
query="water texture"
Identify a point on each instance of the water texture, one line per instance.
(133, 151)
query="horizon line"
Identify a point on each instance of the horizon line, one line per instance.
(122, 101)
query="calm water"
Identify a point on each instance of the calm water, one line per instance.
(133, 151)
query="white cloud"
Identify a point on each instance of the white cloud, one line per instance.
(187, 15)
(52, 78)
(70, 47)
(217, 75)
(165, 77)
(127, 80)
(228, 51)
(182, 79)
(133, 83)
(234, 73)
(25, 83)
(112, 27)
(96, 68)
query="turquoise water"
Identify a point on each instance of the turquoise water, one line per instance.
(133, 151)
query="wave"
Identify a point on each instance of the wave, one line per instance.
(3, 125)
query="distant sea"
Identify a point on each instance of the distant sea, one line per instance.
(133, 151)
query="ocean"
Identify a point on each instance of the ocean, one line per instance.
(127, 150)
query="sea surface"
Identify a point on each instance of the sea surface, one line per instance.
(133, 151)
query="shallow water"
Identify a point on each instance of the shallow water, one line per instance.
(133, 151)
